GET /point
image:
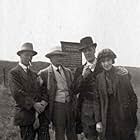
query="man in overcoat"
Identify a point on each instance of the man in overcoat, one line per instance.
(57, 80)
(31, 104)
(84, 87)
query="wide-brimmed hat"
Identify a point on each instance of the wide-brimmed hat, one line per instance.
(27, 47)
(105, 53)
(56, 51)
(87, 42)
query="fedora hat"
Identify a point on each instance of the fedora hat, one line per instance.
(27, 47)
(87, 42)
(55, 51)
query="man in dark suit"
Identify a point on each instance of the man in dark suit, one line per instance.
(31, 104)
(84, 86)
(57, 80)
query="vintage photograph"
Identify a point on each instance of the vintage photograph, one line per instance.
(70, 70)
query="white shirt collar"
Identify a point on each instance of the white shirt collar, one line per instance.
(91, 65)
(54, 67)
(23, 66)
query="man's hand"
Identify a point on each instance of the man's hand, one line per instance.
(43, 103)
(86, 72)
(38, 107)
(99, 127)
(36, 123)
(39, 79)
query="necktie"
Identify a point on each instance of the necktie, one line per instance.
(28, 71)
(88, 69)
(58, 70)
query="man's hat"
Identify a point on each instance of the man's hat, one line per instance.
(56, 51)
(27, 47)
(87, 42)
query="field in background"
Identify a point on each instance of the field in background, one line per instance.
(7, 130)
(5, 66)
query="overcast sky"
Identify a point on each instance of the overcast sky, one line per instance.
(114, 24)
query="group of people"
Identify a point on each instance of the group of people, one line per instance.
(97, 100)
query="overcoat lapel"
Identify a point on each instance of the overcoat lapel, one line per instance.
(51, 86)
(103, 83)
(115, 83)
(23, 73)
(68, 78)
(51, 81)
(103, 98)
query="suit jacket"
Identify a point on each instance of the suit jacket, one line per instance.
(86, 87)
(50, 85)
(26, 91)
(124, 94)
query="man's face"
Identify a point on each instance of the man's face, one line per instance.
(89, 53)
(26, 58)
(57, 60)
(107, 63)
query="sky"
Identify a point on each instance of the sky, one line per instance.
(113, 24)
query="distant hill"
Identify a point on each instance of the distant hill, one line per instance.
(7, 65)
(135, 73)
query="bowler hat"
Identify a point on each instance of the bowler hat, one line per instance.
(27, 47)
(87, 42)
(55, 52)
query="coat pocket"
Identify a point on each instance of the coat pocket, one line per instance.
(24, 117)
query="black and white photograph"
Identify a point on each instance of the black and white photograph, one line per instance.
(70, 70)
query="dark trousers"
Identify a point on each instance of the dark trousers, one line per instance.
(88, 121)
(28, 133)
(63, 123)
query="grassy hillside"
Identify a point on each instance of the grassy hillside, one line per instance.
(135, 74)
(7, 65)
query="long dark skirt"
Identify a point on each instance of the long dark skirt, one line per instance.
(116, 129)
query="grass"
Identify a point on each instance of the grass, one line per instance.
(7, 130)
(10, 132)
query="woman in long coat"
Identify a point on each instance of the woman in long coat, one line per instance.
(115, 102)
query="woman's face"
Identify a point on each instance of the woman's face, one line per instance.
(107, 63)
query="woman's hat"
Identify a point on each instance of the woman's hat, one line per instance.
(105, 53)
